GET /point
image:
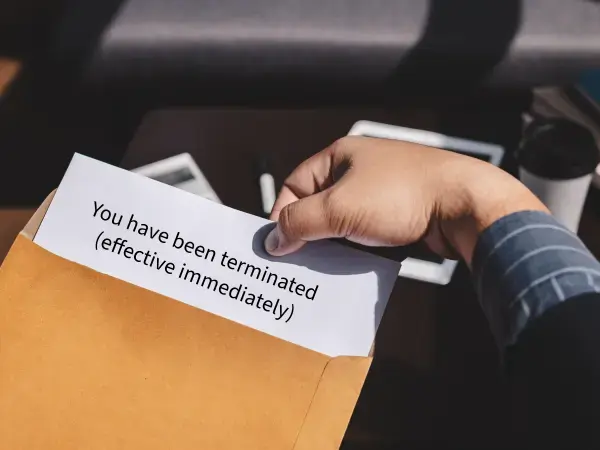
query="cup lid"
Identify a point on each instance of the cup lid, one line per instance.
(558, 149)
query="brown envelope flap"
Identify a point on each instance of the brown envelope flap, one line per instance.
(333, 403)
(94, 362)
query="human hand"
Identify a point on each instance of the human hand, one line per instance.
(380, 192)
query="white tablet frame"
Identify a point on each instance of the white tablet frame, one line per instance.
(418, 269)
(198, 186)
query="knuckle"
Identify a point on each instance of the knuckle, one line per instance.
(342, 144)
(290, 179)
(338, 213)
(286, 219)
(349, 141)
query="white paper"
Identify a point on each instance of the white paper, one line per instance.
(339, 317)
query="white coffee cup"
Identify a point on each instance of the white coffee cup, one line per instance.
(557, 161)
(564, 198)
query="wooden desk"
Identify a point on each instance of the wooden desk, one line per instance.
(8, 71)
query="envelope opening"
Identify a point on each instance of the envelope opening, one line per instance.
(88, 365)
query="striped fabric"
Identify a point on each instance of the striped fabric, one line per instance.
(526, 263)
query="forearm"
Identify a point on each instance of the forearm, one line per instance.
(523, 265)
(539, 288)
(486, 194)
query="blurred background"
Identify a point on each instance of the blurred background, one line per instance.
(132, 82)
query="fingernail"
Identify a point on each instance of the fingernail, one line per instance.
(272, 240)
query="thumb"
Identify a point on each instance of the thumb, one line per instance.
(307, 219)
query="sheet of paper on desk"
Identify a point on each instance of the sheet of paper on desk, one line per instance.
(327, 297)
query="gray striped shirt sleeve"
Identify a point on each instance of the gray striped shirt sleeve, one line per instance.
(526, 263)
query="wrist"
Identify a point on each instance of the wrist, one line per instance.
(486, 200)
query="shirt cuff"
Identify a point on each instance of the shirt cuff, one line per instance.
(526, 263)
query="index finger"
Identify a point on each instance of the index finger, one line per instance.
(285, 197)
(312, 176)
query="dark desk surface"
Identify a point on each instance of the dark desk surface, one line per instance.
(435, 381)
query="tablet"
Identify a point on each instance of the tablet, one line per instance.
(180, 171)
(424, 265)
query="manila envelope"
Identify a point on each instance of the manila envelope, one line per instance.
(88, 361)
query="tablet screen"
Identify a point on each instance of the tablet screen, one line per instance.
(425, 254)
